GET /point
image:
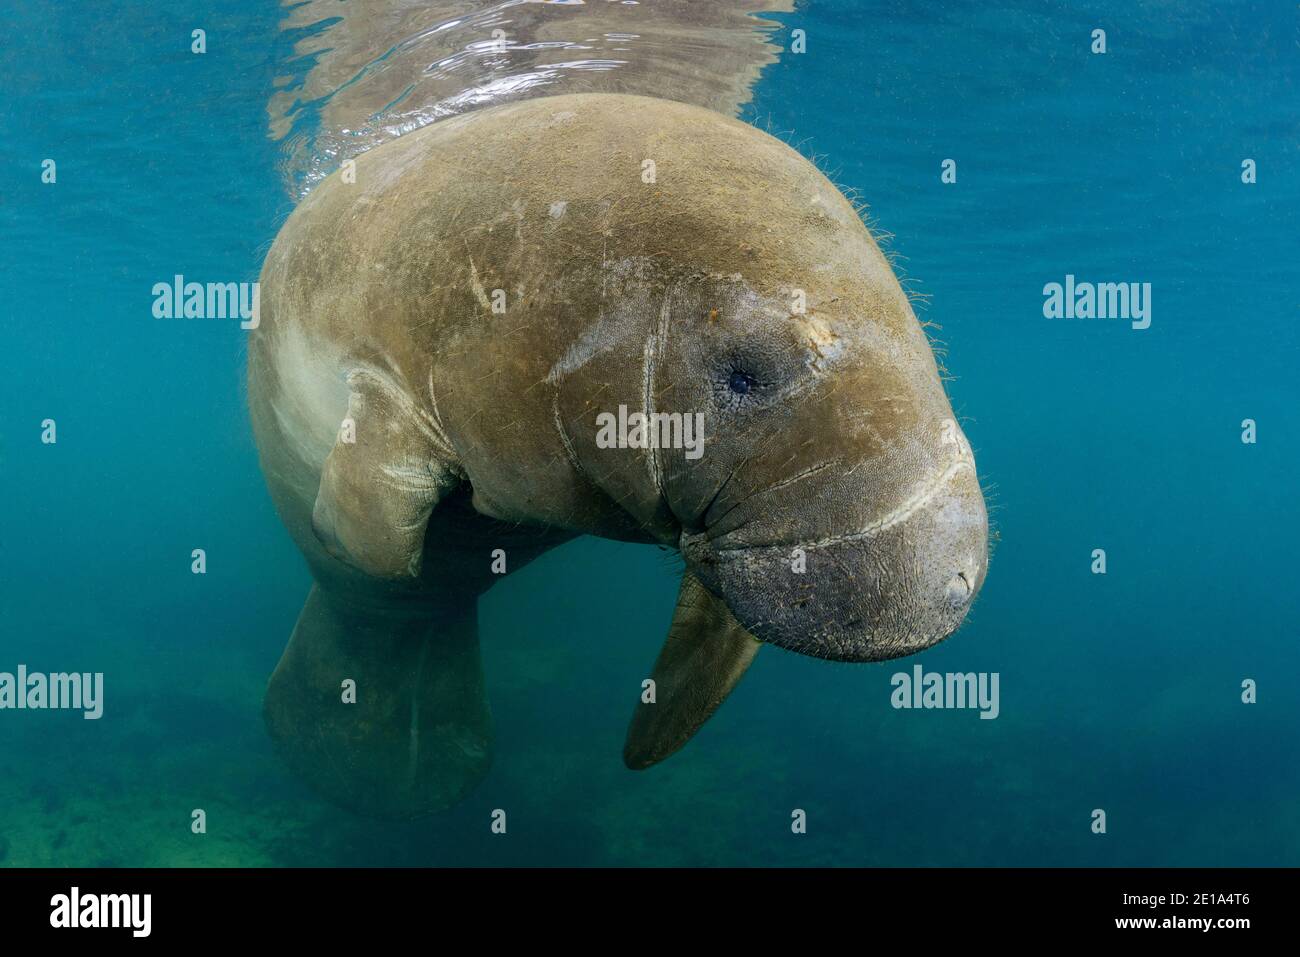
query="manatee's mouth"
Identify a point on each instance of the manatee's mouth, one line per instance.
(850, 607)
(892, 586)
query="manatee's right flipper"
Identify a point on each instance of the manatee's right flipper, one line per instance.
(389, 467)
(706, 653)
(418, 736)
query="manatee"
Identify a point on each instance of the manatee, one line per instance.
(445, 337)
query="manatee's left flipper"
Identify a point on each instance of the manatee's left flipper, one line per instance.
(389, 466)
(706, 654)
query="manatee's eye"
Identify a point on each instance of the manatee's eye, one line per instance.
(746, 381)
(737, 389)
(740, 382)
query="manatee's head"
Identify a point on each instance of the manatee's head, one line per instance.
(833, 504)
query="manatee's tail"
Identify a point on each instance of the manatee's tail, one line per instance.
(382, 710)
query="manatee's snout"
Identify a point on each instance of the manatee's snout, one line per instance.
(893, 585)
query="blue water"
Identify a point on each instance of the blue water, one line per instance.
(1120, 692)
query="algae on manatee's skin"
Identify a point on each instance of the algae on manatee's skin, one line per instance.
(386, 67)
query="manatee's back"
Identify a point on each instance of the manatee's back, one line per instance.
(375, 276)
(362, 75)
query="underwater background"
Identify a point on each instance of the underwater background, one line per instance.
(1120, 691)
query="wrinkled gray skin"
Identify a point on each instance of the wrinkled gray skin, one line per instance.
(835, 510)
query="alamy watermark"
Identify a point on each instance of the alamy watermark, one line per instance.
(1103, 300)
(179, 299)
(930, 689)
(82, 691)
(651, 430)
(75, 909)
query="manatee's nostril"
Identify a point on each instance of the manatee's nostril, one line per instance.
(959, 589)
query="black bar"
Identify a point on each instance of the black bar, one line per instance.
(331, 907)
